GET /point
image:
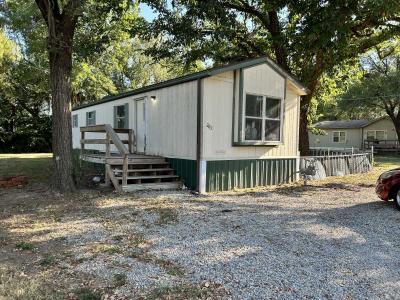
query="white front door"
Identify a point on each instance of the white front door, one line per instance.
(140, 126)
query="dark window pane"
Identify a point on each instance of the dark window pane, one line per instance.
(272, 130)
(120, 123)
(273, 108)
(254, 105)
(121, 111)
(253, 129)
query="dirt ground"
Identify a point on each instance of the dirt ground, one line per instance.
(332, 239)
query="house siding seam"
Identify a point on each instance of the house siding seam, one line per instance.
(186, 169)
(223, 175)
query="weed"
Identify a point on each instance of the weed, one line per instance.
(87, 294)
(24, 246)
(48, 260)
(169, 267)
(104, 248)
(186, 291)
(167, 215)
(119, 280)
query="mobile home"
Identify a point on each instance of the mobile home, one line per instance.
(234, 126)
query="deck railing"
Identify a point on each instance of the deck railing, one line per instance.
(111, 138)
(382, 145)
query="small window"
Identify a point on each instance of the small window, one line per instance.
(262, 118)
(121, 116)
(339, 137)
(376, 135)
(75, 121)
(91, 118)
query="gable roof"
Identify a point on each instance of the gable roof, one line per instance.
(342, 124)
(203, 74)
(346, 124)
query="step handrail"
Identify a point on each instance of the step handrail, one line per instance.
(111, 135)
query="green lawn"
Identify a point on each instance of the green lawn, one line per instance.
(37, 166)
(387, 161)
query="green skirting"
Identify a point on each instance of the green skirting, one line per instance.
(223, 175)
(186, 169)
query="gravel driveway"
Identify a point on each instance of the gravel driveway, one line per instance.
(331, 242)
(324, 242)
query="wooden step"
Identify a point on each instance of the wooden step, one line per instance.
(149, 170)
(148, 177)
(174, 185)
(120, 161)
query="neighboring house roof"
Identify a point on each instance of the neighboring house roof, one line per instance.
(340, 124)
(204, 74)
(345, 124)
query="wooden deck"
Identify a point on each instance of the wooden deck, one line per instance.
(126, 170)
(114, 158)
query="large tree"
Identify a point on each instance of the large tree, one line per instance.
(378, 91)
(305, 37)
(61, 19)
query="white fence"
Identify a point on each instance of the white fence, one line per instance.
(336, 163)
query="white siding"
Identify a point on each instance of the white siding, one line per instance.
(384, 124)
(217, 115)
(353, 139)
(170, 120)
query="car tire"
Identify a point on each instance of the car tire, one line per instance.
(397, 198)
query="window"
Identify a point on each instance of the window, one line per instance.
(90, 118)
(376, 135)
(339, 137)
(121, 113)
(75, 121)
(262, 118)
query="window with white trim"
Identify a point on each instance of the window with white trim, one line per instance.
(262, 118)
(339, 137)
(376, 134)
(121, 116)
(91, 118)
(74, 121)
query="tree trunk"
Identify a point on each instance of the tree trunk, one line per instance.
(304, 145)
(396, 122)
(61, 91)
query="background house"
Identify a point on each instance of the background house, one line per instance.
(226, 127)
(360, 134)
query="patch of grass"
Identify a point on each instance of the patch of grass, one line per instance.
(47, 260)
(170, 267)
(186, 291)
(15, 285)
(87, 294)
(137, 240)
(167, 215)
(387, 161)
(36, 166)
(105, 248)
(24, 246)
(119, 280)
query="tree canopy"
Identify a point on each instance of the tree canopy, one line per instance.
(308, 37)
(377, 92)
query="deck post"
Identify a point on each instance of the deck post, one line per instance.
(125, 171)
(82, 144)
(107, 179)
(130, 141)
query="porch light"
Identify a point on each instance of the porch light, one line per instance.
(153, 98)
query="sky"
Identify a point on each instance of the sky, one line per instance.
(147, 12)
